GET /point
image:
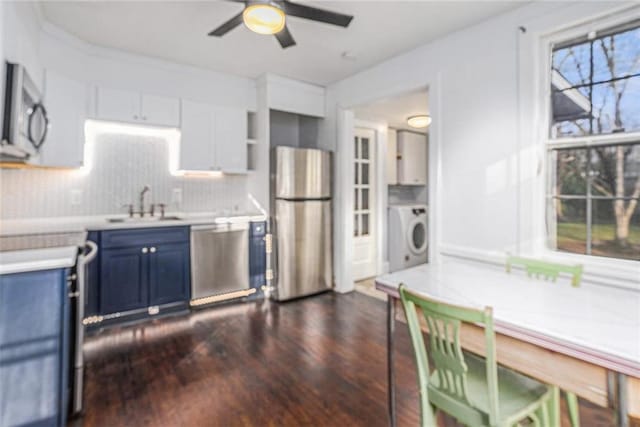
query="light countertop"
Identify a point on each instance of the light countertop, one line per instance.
(14, 227)
(591, 321)
(37, 259)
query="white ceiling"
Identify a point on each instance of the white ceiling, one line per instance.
(395, 111)
(177, 31)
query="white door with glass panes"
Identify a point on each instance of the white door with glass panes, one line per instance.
(364, 239)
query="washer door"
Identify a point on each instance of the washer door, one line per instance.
(417, 236)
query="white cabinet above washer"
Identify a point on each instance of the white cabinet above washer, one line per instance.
(412, 158)
(134, 107)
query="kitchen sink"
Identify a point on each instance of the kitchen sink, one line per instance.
(143, 219)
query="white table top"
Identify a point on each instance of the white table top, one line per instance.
(594, 323)
(37, 259)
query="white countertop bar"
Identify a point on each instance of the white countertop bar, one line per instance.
(13, 227)
(595, 323)
(37, 259)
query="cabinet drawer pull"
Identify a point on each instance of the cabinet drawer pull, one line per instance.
(135, 117)
(152, 250)
(145, 250)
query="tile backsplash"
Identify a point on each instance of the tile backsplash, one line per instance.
(121, 166)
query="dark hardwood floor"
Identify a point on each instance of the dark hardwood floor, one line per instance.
(320, 361)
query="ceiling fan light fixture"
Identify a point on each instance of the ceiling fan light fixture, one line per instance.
(264, 18)
(420, 121)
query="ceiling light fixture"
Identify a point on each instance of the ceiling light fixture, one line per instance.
(419, 121)
(264, 18)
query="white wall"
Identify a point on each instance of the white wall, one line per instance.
(482, 165)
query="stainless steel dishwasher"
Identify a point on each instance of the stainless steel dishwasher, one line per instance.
(219, 263)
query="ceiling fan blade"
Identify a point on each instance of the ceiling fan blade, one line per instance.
(315, 14)
(285, 38)
(227, 26)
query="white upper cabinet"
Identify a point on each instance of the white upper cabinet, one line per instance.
(412, 158)
(66, 102)
(197, 149)
(117, 105)
(160, 110)
(213, 138)
(133, 107)
(231, 139)
(392, 157)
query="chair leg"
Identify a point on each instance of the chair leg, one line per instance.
(572, 405)
(554, 407)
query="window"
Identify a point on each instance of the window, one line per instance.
(362, 186)
(594, 144)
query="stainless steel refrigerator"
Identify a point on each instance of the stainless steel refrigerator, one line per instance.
(301, 209)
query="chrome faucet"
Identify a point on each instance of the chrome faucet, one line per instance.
(145, 190)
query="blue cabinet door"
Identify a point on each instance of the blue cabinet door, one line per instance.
(123, 280)
(169, 273)
(33, 371)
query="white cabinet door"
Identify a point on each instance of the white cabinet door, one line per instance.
(412, 165)
(231, 139)
(66, 103)
(160, 110)
(197, 145)
(392, 157)
(117, 105)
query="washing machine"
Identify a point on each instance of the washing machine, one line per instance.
(407, 236)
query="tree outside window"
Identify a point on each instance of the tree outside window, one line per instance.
(594, 186)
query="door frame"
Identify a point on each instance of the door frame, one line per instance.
(344, 176)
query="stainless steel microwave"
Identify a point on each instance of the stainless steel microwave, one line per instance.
(25, 122)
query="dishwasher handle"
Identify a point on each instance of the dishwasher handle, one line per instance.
(220, 228)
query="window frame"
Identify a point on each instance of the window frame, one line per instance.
(625, 270)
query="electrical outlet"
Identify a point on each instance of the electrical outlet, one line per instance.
(76, 197)
(176, 196)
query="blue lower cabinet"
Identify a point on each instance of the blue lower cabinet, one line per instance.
(257, 255)
(141, 268)
(123, 280)
(34, 326)
(169, 274)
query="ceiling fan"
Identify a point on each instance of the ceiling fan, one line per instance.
(269, 17)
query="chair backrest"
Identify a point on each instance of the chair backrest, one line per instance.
(546, 269)
(443, 324)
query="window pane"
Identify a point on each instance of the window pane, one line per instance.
(572, 63)
(595, 86)
(355, 153)
(571, 172)
(613, 55)
(355, 226)
(365, 199)
(365, 224)
(356, 199)
(356, 171)
(571, 225)
(616, 106)
(364, 167)
(614, 164)
(365, 149)
(614, 235)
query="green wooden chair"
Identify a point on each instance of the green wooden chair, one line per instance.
(551, 271)
(476, 391)
(548, 270)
